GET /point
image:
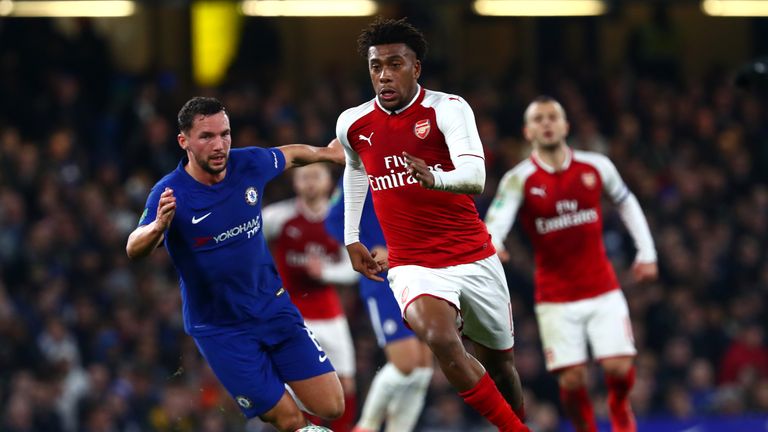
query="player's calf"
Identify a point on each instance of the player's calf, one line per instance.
(500, 365)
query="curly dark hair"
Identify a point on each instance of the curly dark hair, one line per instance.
(388, 31)
(198, 105)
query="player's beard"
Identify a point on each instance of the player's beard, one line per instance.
(206, 165)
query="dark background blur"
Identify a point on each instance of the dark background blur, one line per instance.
(92, 342)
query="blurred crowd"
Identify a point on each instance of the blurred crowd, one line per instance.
(92, 342)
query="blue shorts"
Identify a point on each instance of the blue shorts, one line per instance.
(255, 362)
(386, 318)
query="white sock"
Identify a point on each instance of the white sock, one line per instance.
(387, 382)
(405, 407)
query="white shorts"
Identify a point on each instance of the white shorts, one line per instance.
(335, 338)
(477, 290)
(602, 322)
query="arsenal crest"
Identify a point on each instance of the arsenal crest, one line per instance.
(421, 128)
(589, 179)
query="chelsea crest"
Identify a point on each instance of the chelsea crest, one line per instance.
(251, 196)
(244, 402)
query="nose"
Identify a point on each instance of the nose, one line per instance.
(219, 143)
(384, 75)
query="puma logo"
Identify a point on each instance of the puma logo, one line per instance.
(366, 138)
(540, 191)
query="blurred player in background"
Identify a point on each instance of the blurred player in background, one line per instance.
(208, 214)
(397, 393)
(558, 192)
(420, 153)
(296, 234)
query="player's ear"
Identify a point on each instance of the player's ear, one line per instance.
(182, 140)
(567, 128)
(417, 69)
(527, 133)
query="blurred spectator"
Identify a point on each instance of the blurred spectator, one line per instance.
(746, 359)
(175, 412)
(701, 385)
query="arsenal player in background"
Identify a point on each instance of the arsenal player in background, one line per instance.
(420, 153)
(557, 192)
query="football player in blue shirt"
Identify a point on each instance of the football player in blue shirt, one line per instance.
(397, 392)
(208, 214)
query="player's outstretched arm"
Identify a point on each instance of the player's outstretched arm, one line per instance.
(144, 239)
(645, 268)
(301, 154)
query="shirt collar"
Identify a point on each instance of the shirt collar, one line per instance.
(415, 97)
(549, 168)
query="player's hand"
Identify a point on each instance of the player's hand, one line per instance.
(503, 255)
(166, 209)
(337, 155)
(645, 271)
(419, 170)
(381, 255)
(363, 262)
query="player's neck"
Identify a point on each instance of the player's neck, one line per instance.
(553, 156)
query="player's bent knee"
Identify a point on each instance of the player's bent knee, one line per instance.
(573, 377)
(406, 355)
(404, 365)
(321, 395)
(332, 408)
(618, 366)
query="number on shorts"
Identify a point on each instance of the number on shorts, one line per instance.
(312, 336)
